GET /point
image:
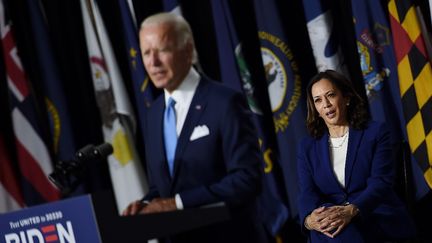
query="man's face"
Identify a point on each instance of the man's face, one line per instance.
(166, 61)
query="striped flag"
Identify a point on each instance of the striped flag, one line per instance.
(415, 81)
(322, 35)
(32, 153)
(127, 176)
(235, 74)
(10, 192)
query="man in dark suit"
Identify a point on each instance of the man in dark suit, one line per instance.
(210, 153)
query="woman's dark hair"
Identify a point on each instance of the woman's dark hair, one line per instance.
(357, 113)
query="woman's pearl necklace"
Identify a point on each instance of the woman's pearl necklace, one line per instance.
(345, 136)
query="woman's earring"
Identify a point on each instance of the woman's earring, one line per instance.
(348, 104)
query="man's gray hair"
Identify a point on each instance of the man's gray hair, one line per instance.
(181, 27)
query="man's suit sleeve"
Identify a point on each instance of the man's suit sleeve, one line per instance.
(241, 156)
(153, 192)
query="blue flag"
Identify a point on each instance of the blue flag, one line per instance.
(379, 68)
(378, 64)
(285, 91)
(235, 73)
(60, 123)
(172, 6)
(323, 36)
(143, 88)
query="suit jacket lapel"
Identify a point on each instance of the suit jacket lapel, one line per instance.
(156, 115)
(324, 157)
(354, 140)
(196, 109)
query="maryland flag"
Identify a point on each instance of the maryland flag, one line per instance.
(415, 81)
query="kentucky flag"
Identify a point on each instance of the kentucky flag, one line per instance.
(415, 81)
(235, 73)
(284, 86)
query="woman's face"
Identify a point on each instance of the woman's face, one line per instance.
(330, 103)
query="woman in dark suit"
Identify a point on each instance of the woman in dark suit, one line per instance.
(346, 170)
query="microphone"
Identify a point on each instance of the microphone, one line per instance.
(67, 175)
(91, 152)
(84, 152)
(103, 150)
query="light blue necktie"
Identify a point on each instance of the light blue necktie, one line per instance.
(170, 134)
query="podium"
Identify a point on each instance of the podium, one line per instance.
(144, 227)
(94, 218)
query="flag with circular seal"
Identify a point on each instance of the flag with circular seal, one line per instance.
(235, 74)
(284, 86)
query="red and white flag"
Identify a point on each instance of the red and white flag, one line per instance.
(34, 161)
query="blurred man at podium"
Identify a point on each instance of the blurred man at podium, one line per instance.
(201, 146)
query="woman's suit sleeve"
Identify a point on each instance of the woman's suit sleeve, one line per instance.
(309, 198)
(380, 182)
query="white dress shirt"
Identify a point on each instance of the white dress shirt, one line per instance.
(338, 154)
(183, 96)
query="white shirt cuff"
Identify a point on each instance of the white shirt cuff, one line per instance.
(178, 202)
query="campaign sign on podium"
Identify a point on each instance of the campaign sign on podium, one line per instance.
(66, 221)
